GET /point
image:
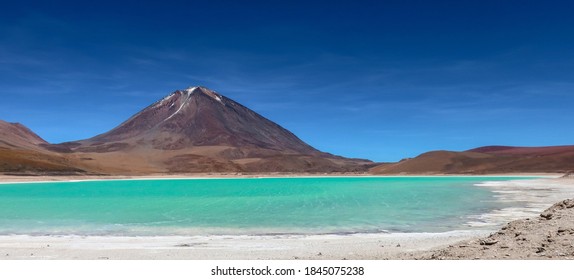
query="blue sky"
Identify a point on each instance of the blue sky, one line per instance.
(382, 80)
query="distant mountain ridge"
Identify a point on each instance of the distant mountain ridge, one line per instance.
(21, 152)
(484, 160)
(199, 130)
(16, 135)
(509, 150)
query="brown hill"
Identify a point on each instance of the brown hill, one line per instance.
(21, 152)
(30, 162)
(199, 130)
(15, 135)
(490, 159)
(526, 151)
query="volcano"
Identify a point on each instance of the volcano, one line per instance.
(199, 117)
(200, 130)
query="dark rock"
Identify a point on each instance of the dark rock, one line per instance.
(540, 250)
(546, 216)
(488, 242)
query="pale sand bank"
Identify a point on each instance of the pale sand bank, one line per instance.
(333, 247)
(536, 195)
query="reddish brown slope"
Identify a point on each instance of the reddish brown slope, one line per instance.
(491, 159)
(31, 162)
(21, 152)
(15, 135)
(526, 151)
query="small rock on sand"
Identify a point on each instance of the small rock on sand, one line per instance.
(488, 242)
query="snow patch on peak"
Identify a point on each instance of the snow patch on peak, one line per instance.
(164, 100)
(183, 103)
(212, 94)
(189, 90)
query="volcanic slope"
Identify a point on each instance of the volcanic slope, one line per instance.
(199, 130)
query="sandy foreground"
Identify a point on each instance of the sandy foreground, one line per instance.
(534, 195)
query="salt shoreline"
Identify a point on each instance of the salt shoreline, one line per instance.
(359, 246)
(14, 179)
(525, 198)
(535, 194)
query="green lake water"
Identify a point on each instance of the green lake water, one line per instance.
(245, 206)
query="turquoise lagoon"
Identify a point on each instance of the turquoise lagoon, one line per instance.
(258, 206)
